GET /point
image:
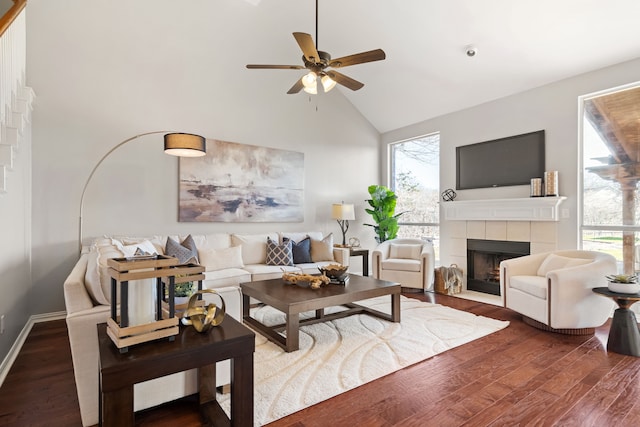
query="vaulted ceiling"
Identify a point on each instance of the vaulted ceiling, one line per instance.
(520, 45)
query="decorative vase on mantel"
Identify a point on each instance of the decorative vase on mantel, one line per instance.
(624, 283)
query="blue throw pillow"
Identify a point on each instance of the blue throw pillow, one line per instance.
(301, 250)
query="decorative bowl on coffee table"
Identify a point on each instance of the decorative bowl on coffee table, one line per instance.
(335, 272)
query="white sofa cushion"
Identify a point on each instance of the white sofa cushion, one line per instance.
(97, 279)
(254, 246)
(401, 264)
(92, 279)
(531, 285)
(226, 277)
(555, 262)
(265, 272)
(220, 259)
(405, 251)
(210, 241)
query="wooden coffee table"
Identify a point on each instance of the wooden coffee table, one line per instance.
(294, 299)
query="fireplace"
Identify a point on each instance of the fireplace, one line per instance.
(483, 262)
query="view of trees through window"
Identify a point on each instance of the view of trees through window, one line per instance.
(610, 147)
(415, 178)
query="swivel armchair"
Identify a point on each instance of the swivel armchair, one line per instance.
(553, 292)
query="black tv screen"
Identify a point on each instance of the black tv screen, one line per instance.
(502, 162)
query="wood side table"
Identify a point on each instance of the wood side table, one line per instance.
(624, 336)
(364, 253)
(230, 340)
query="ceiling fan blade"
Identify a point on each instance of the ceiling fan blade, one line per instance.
(358, 58)
(345, 80)
(305, 41)
(296, 87)
(275, 67)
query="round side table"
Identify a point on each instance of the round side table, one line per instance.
(624, 336)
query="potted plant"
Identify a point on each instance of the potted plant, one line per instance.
(624, 283)
(182, 292)
(383, 204)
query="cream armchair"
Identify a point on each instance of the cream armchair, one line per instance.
(553, 290)
(409, 262)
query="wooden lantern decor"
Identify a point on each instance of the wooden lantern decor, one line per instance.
(164, 270)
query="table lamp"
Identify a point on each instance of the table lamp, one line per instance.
(343, 212)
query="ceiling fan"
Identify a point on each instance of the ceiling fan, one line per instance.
(318, 62)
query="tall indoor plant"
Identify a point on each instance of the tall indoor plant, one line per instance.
(383, 206)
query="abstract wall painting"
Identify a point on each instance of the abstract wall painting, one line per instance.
(241, 183)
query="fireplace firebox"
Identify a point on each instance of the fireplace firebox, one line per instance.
(483, 262)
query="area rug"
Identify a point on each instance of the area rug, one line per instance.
(342, 354)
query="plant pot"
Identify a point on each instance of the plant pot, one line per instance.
(624, 288)
(180, 300)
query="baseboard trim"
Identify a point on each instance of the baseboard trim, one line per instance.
(22, 336)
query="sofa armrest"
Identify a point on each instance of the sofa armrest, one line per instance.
(76, 297)
(83, 339)
(342, 255)
(379, 254)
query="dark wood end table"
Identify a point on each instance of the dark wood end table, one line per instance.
(230, 340)
(624, 336)
(364, 253)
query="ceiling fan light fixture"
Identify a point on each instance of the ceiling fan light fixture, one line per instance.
(309, 80)
(327, 83)
(312, 90)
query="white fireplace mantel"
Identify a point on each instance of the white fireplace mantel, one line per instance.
(520, 209)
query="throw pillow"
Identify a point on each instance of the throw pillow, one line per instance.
(279, 254)
(556, 262)
(322, 250)
(301, 250)
(220, 259)
(142, 248)
(186, 251)
(405, 251)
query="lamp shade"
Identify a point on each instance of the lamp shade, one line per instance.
(185, 145)
(342, 211)
(327, 83)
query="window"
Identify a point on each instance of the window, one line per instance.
(415, 177)
(611, 171)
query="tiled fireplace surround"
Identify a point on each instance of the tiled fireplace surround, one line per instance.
(533, 220)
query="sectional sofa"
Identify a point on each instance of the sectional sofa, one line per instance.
(229, 259)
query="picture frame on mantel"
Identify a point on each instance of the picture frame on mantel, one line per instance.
(241, 183)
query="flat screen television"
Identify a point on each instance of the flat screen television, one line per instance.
(502, 162)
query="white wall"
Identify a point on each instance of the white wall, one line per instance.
(104, 73)
(15, 250)
(553, 108)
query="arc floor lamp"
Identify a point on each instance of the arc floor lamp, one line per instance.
(175, 143)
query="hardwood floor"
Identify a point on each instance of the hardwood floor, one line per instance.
(517, 376)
